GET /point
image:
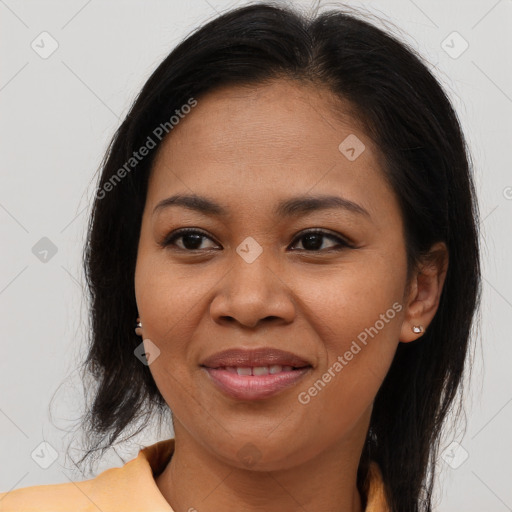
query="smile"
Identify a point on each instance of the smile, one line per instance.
(255, 383)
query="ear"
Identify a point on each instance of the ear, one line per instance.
(424, 292)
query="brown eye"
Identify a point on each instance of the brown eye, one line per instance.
(314, 241)
(191, 240)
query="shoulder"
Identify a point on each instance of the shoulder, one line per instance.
(127, 488)
(53, 497)
(79, 496)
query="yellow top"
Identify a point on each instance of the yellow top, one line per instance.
(130, 488)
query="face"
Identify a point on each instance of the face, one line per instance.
(251, 275)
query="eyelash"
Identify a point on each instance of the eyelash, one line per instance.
(343, 244)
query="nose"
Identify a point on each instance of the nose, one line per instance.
(252, 293)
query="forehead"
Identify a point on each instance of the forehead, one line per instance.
(283, 115)
(282, 137)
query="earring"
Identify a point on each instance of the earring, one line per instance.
(417, 329)
(138, 327)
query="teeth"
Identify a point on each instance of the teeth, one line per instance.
(258, 370)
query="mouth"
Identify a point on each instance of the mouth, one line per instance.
(255, 374)
(254, 358)
(259, 370)
(246, 383)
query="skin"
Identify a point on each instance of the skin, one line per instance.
(247, 148)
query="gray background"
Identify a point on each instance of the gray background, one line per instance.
(58, 115)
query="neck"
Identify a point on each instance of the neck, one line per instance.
(196, 480)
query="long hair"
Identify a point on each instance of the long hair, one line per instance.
(405, 111)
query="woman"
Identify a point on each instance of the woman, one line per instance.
(287, 213)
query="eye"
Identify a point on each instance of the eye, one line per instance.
(191, 239)
(313, 241)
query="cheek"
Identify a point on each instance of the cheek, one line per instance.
(359, 347)
(168, 316)
(167, 297)
(165, 312)
(172, 304)
(357, 313)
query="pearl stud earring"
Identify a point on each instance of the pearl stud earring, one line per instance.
(417, 329)
(138, 327)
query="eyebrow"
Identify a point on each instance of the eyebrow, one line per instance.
(292, 207)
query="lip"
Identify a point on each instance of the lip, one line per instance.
(254, 387)
(254, 357)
